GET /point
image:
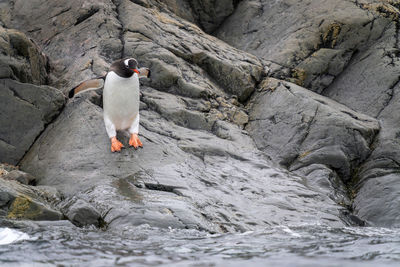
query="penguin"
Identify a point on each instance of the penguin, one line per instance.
(120, 99)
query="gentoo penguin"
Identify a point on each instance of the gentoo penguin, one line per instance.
(120, 99)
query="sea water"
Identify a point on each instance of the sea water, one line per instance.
(285, 245)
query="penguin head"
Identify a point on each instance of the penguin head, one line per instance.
(132, 64)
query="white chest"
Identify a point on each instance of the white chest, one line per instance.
(121, 100)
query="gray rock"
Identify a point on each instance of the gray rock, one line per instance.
(88, 31)
(212, 13)
(297, 128)
(21, 177)
(179, 179)
(347, 51)
(25, 108)
(316, 40)
(24, 112)
(18, 201)
(21, 59)
(81, 213)
(376, 184)
(205, 13)
(5, 198)
(182, 57)
(373, 76)
(197, 169)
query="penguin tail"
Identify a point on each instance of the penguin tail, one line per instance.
(88, 85)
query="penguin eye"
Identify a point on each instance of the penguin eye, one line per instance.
(132, 64)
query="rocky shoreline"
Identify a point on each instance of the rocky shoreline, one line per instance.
(257, 113)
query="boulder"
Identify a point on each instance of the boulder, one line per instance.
(81, 213)
(22, 202)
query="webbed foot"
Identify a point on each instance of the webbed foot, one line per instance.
(116, 145)
(134, 141)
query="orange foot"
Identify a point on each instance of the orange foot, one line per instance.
(116, 145)
(134, 141)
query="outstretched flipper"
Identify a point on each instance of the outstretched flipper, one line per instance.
(88, 85)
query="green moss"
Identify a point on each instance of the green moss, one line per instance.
(299, 75)
(330, 37)
(387, 9)
(23, 208)
(305, 154)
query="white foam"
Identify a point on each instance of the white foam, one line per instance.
(8, 236)
(289, 231)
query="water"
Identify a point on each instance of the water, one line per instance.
(8, 236)
(306, 245)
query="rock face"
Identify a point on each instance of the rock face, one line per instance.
(299, 127)
(347, 51)
(315, 40)
(25, 107)
(230, 142)
(21, 58)
(184, 59)
(311, 135)
(81, 55)
(187, 188)
(207, 14)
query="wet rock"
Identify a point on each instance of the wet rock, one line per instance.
(376, 183)
(372, 76)
(22, 202)
(81, 213)
(24, 112)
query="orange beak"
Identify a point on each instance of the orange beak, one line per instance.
(135, 70)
